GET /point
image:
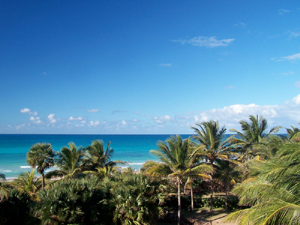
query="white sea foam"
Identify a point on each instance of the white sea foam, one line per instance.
(138, 164)
(25, 167)
(7, 171)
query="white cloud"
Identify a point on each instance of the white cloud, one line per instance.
(75, 118)
(83, 121)
(166, 65)
(51, 118)
(297, 84)
(25, 110)
(283, 11)
(236, 112)
(124, 122)
(28, 111)
(92, 110)
(94, 123)
(161, 119)
(297, 99)
(134, 120)
(210, 42)
(20, 126)
(36, 120)
(167, 117)
(294, 34)
(292, 57)
(285, 115)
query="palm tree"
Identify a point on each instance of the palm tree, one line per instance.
(98, 157)
(28, 183)
(273, 191)
(69, 161)
(101, 172)
(228, 174)
(174, 159)
(253, 136)
(41, 156)
(211, 146)
(293, 134)
(193, 175)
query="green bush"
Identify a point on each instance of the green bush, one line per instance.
(218, 202)
(16, 209)
(72, 202)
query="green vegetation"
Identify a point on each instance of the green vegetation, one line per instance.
(253, 173)
(41, 156)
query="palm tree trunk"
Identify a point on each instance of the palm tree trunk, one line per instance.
(226, 202)
(43, 180)
(192, 196)
(179, 200)
(211, 190)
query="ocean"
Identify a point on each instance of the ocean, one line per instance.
(133, 149)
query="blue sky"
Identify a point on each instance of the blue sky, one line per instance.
(147, 67)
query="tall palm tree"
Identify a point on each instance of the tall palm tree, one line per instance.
(228, 174)
(99, 157)
(174, 159)
(41, 156)
(193, 175)
(211, 146)
(69, 161)
(251, 140)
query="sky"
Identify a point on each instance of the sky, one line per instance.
(147, 67)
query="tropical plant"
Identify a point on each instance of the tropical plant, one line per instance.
(211, 146)
(69, 161)
(3, 191)
(100, 172)
(174, 160)
(41, 156)
(228, 174)
(135, 199)
(2, 176)
(272, 192)
(97, 157)
(293, 133)
(71, 202)
(16, 209)
(27, 183)
(252, 140)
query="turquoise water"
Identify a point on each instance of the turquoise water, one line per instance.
(131, 148)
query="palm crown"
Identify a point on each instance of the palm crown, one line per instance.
(41, 156)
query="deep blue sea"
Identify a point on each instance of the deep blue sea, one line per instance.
(131, 148)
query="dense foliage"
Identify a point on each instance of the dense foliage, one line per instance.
(254, 171)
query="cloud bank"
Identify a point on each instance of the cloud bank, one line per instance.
(292, 57)
(284, 115)
(92, 110)
(210, 42)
